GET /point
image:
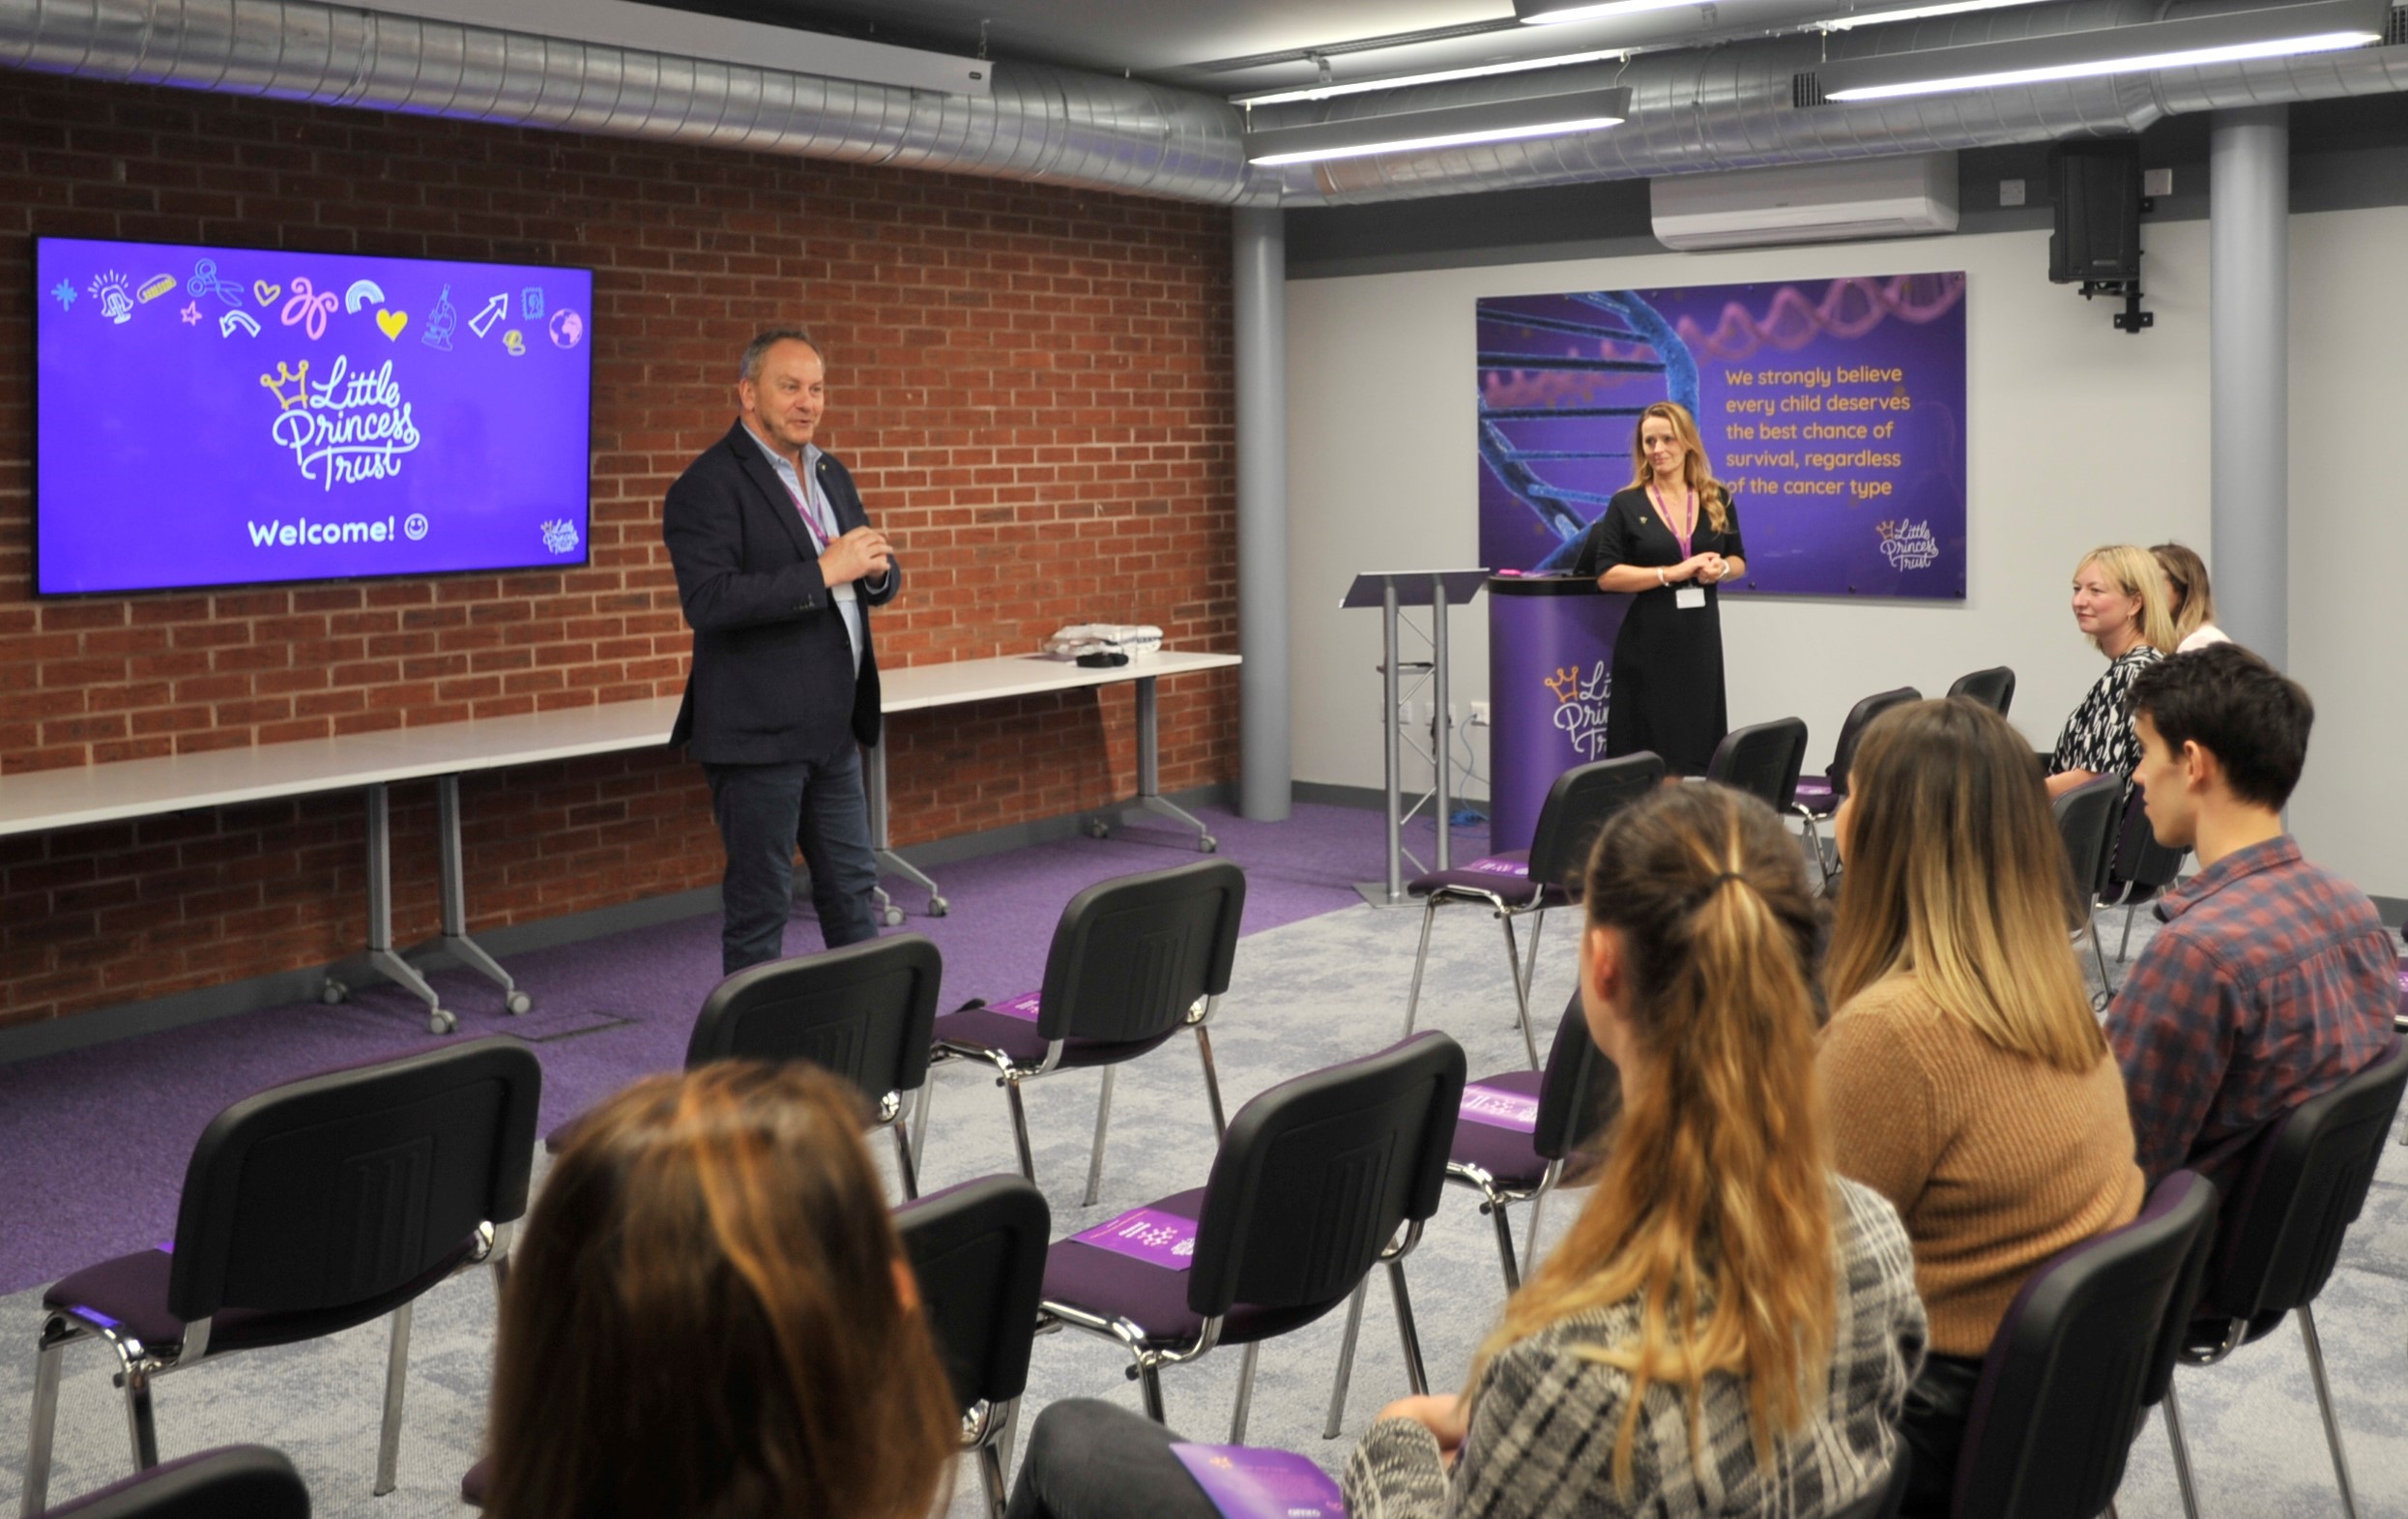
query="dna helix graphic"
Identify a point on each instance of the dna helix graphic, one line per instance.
(1848, 308)
(1543, 401)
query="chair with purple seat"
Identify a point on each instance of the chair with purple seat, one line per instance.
(249, 1482)
(2071, 1369)
(309, 1208)
(2298, 1191)
(1319, 1179)
(1763, 759)
(1519, 1126)
(1994, 687)
(1532, 882)
(1133, 961)
(1818, 797)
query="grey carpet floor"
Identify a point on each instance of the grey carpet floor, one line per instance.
(1305, 996)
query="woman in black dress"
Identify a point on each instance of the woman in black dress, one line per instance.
(1668, 541)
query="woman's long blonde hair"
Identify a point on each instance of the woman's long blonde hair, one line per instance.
(1694, 468)
(2190, 600)
(1713, 1207)
(1956, 876)
(2135, 573)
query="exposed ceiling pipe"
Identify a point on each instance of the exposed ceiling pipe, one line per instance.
(1698, 109)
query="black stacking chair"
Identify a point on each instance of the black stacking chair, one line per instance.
(2298, 1190)
(1529, 882)
(232, 1482)
(2139, 869)
(1319, 1179)
(1133, 962)
(1818, 797)
(1764, 760)
(1994, 687)
(1517, 1129)
(2087, 819)
(2066, 1379)
(978, 1250)
(309, 1208)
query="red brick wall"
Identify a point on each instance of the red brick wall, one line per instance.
(1029, 385)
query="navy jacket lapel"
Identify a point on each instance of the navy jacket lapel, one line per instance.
(775, 494)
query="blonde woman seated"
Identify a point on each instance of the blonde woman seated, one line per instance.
(1967, 1078)
(1726, 1329)
(709, 1317)
(2120, 604)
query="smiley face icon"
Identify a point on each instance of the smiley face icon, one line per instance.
(414, 526)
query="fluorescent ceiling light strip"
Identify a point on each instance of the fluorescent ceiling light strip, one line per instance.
(1323, 92)
(1920, 12)
(2277, 47)
(1598, 13)
(1456, 139)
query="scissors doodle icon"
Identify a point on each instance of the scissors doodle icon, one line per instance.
(205, 281)
(309, 308)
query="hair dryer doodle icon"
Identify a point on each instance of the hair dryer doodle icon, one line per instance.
(440, 322)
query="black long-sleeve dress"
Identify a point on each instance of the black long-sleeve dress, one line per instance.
(1668, 691)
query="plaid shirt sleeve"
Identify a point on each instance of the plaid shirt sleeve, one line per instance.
(2172, 1027)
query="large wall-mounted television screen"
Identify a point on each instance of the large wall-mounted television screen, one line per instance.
(236, 416)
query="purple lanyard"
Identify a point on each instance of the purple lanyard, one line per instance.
(1678, 537)
(810, 518)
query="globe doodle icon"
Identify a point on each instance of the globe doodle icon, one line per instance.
(567, 329)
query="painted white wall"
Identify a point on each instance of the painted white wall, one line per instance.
(2078, 435)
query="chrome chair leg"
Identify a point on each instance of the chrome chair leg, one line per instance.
(1529, 957)
(1421, 956)
(1530, 1235)
(920, 1104)
(2124, 950)
(1346, 1359)
(1212, 1082)
(1496, 1209)
(2181, 1454)
(1522, 993)
(991, 1480)
(140, 1425)
(1246, 1394)
(1415, 1377)
(902, 1162)
(396, 1375)
(2324, 1406)
(1149, 1383)
(1103, 1116)
(50, 1350)
(1019, 1130)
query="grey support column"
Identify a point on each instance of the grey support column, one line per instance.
(2250, 357)
(1258, 277)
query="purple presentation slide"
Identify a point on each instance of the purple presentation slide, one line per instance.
(228, 416)
(1834, 409)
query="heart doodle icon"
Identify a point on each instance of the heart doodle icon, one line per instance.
(265, 292)
(393, 322)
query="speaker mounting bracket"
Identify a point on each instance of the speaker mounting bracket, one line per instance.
(2131, 319)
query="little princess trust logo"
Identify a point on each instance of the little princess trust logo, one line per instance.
(344, 428)
(1581, 703)
(1907, 545)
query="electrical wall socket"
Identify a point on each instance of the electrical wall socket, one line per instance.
(2157, 182)
(2011, 193)
(1479, 714)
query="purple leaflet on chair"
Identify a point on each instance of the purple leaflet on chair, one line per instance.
(1499, 1108)
(1149, 1235)
(1493, 867)
(1251, 1482)
(1023, 1006)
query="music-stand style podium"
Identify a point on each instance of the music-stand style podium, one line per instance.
(1390, 589)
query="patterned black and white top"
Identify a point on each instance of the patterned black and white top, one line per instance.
(1545, 1416)
(2099, 736)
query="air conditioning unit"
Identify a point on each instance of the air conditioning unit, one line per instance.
(1839, 202)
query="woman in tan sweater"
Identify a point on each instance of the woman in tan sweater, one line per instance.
(1967, 1078)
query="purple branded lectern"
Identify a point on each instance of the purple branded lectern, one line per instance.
(1551, 671)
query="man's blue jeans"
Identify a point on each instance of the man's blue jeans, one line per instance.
(763, 812)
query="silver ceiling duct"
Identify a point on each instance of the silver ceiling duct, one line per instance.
(1728, 107)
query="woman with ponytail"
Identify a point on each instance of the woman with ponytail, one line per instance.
(1727, 1328)
(1968, 1080)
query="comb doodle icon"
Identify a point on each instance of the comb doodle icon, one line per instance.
(440, 322)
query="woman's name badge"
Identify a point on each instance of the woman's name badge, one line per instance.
(1689, 598)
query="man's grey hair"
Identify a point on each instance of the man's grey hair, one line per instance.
(759, 349)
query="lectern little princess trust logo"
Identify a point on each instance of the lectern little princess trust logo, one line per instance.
(1580, 704)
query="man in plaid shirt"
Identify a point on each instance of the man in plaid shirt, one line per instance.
(2273, 979)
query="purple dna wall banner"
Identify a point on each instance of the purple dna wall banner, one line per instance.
(228, 416)
(1834, 409)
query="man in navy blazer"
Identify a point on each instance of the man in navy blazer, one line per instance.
(777, 567)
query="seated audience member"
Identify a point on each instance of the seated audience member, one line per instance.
(710, 1315)
(2272, 980)
(1965, 1074)
(2189, 601)
(2119, 602)
(1726, 1329)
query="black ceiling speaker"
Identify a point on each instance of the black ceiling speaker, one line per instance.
(2097, 242)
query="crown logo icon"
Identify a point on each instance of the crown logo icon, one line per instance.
(1885, 530)
(1565, 683)
(299, 379)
